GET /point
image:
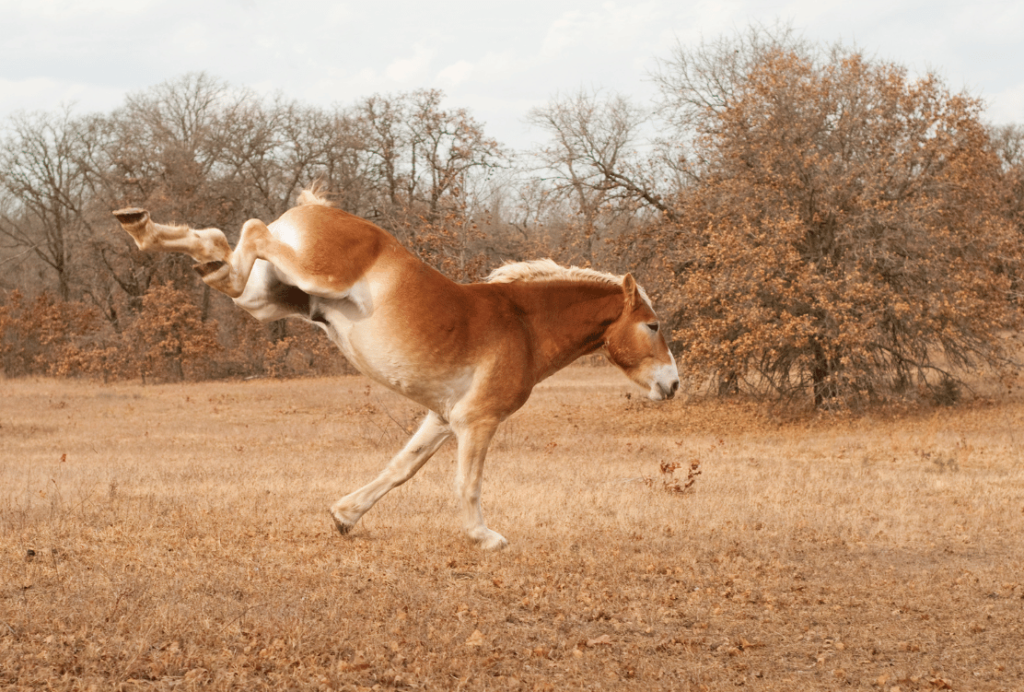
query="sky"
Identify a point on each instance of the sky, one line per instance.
(498, 59)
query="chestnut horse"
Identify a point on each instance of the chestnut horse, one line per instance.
(471, 354)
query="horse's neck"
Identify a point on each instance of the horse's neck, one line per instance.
(569, 320)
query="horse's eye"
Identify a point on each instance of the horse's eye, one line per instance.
(653, 326)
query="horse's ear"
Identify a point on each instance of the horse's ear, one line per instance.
(630, 291)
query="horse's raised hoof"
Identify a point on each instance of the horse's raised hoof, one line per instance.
(131, 217)
(204, 269)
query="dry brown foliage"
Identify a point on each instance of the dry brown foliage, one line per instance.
(812, 222)
(449, 244)
(667, 480)
(847, 236)
(284, 349)
(166, 341)
(176, 536)
(48, 336)
(169, 339)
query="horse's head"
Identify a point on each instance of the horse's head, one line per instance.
(636, 343)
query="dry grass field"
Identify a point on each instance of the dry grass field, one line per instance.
(177, 537)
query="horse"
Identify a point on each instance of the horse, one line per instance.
(470, 353)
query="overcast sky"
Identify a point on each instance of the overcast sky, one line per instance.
(498, 59)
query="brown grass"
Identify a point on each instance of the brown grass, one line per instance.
(177, 537)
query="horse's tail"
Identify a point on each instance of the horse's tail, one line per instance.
(316, 193)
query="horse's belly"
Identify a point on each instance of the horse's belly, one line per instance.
(368, 347)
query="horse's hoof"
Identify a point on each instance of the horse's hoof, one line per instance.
(206, 268)
(491, 540)
(131, 216)
(343, 526)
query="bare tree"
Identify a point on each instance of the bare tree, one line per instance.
(420, 164)
(418, 153)
(46, 186)
(171, 146)
(450, 144)
(593, 162)
(325, 145)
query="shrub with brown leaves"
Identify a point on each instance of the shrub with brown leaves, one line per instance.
(845, 236)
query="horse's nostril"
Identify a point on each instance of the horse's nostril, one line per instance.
(672, 389)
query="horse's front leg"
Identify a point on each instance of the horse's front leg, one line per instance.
(473, 442)
(421, 446)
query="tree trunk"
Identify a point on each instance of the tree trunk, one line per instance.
(823, 382)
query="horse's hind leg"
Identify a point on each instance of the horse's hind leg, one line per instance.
(421, 446)
(232, 274)
(220, 267)
(205, 245)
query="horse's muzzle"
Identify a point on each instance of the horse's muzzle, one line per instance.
(661, 391)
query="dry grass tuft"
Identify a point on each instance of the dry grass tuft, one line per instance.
(177, 536)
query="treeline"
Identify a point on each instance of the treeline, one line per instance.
(196, 150)
(807, 220)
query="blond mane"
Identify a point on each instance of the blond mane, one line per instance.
(549, 270)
